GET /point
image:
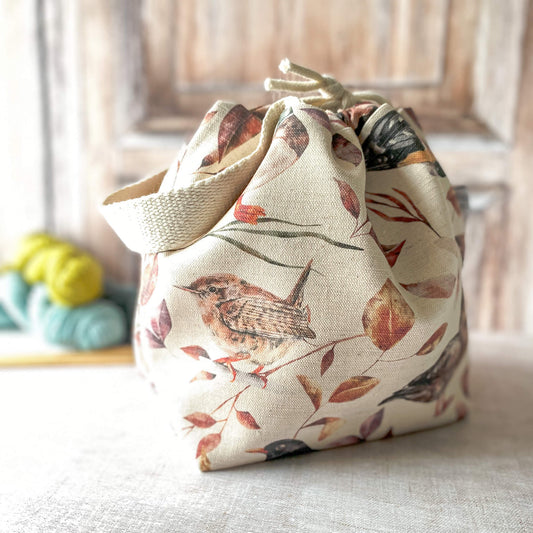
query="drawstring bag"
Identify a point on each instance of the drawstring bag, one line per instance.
(301, 277)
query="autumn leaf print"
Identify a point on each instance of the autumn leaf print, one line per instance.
(201, 420)
(246, 419)
(349, 440)
(195, 352)
(346, 150)
(319, 115)
(371, 424)
(433, 341)
(312, 390)
(327, 360)
(238, 126)
(357, 115)
(437, 287)
(387, 317)
(392, 252)
(405, 204)
(353, 388)
(161, 325)
(442, 404)
(290, 133)
(208, 444)
(247, 213)
(329, 424)
(349, 198)
(148, 278)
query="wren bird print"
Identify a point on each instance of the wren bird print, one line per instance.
(249, 322)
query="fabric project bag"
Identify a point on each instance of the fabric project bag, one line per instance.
(301, 278)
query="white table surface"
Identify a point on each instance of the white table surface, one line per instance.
(87, 449)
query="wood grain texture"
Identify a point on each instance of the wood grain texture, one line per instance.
(22, 152)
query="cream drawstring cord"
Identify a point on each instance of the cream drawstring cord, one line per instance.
(328, 86)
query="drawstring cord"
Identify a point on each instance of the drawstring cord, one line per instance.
(326, 85)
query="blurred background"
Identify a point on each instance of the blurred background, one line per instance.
(95, 94)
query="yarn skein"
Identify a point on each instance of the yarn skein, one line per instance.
(97, 325)
(73, 277)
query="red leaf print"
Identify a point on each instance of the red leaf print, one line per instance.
(346, 441)
(387, 317)
(153, 340)
(293, 132)
(312, 389)
(203, 375)
(195, 352)
(237, 127)
(452, 198)
(438, 287)
(349, 198)
(162, 324)
(371, 424)
(319, 116)
(391, 252)
(353, 388)
(330, 423)
(248, 213)
(148, 278)
(392, 219)
(433, 341)
(247, 420)
(326, 361)
(442, 404)
(207, 444)
(346, 150)
(201, 420)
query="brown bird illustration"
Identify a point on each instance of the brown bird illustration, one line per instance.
(249, 322)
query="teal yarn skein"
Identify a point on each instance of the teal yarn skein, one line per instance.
(94, 326)
(5, 320)
(14, 292)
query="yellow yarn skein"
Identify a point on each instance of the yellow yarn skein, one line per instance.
(73, 279)
(72, 276)
(29, 246)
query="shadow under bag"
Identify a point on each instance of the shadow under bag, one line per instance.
(301, 278)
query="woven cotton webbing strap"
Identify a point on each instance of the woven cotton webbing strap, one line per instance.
(149, 222)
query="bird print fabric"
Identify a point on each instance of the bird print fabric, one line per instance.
(325, 308)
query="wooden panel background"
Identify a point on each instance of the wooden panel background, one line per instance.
(103, 92)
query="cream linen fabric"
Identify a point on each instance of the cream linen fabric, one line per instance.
(305, 292)
(90, 451)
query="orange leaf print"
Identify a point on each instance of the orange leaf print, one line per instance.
(387, 317)
(433, 341)
(195, 352)
(248, 213)
(327, 360)
(247, 420)
(208, 444)
(353, 388)
(201, 420)
(312, 389)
